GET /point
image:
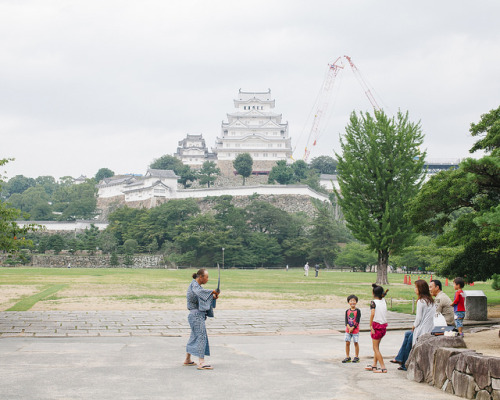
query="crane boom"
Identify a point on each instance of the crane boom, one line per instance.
(363, 84)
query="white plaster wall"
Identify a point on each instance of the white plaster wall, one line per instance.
(70, 226)
(110, 191)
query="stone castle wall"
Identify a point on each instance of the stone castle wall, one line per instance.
(227, 169)
(95, 261)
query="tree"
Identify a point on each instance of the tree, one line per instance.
(19, 184)
(103, 173)
(35, 202)
(462, 207)
(325, 236)
(324, 165)
(12, 236)
(300, 170)
(356, 256)
(243, 165)
(208, 173)
(186, 174)
(167, 162)
(379, 172)
(130, 246)
(76, 201)
(281, 173)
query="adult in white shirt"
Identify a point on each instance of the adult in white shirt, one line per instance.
(424, 322)
(443, 302)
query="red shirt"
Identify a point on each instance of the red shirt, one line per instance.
(352, 318)
(458, 302)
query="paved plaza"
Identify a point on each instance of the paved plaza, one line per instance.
(174, 323)
(268, 354)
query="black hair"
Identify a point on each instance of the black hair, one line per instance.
(201, 272)
(460, 282)
(438, 283)
(352, 296)
(378, 291)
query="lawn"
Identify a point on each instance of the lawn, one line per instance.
(160, 289)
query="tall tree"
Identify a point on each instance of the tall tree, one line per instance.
(243, 165)
(167, 162)
(208, 173)
(103, 173)
(281, 173)
(462, 207)
(11, 234)
(379, 172)
(186, 175)
(324, 165)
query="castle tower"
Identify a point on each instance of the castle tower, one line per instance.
(256, 129)
(193, 151)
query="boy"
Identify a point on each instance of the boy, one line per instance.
(352, 318)
(459, 304)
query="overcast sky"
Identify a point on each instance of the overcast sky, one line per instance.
(90, 84)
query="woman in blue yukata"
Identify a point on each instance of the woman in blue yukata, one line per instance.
(200, 306)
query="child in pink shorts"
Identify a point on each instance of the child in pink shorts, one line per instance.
(378, 327)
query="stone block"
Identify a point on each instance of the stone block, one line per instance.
(476, 307)
(495, 395)
(448, 387)
(478, 365)
(453, 361)
(483, 395)
(463, 385)
(495, 383)
(445, 358)
(494, 367)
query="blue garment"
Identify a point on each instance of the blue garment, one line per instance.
(199, 303)
(404, 351)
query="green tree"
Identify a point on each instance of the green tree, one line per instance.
(356, 256)
(48, 183)
(462, 207)
(208, 173)
(56, 242)
(300, 170)
(324, 165)
(379, 172)
(325, 236)
(186, 175)
(107, 241)
(243, 165)
(103, 173)
(35, 202)
(130, 246)
(167, 162)
(18, 184)
(281, 173)
(12, 236)
(113, 260)
(76, 201)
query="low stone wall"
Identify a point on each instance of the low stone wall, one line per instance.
(95, 261)
(447, 364)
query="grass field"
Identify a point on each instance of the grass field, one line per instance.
(159, 289)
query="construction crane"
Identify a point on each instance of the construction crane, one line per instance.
(321, 105)
(363, 84)
(322, 102)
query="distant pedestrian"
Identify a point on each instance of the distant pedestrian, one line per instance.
(306, 269)
(352, 319)
(378, 327)
(287, 268)
(459, 304)
(316, 269)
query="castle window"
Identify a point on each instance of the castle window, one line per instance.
(265, 154)
(275, 154)
(279, 144)
(270, 145)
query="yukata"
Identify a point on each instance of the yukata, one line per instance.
(199, 304)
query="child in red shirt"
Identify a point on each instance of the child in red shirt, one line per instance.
(352, 318)
(459, 304)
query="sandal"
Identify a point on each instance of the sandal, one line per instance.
(206, 367)
(189, 364)
(370, 368)
(380, 371)
(395, 362)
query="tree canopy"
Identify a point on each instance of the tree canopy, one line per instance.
(243, 164)
(462, 207)
(379, 172)
(103, 173)
(208, 173)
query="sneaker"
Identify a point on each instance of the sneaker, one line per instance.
(355, 360)
(346, 360)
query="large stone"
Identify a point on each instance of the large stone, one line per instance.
(478, 365)
(495, 383)
(445, 358)
(494, 367)
(448, 387)
(454, 360)
(463, 385)
(476, 305)
(420, 363)
(483, 395)
(495, 395)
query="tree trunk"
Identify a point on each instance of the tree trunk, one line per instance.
(383, 262)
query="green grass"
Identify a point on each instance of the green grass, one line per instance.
(168, 286)
(28, 302)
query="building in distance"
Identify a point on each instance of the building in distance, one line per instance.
(193, 151)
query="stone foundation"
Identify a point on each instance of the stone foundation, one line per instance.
(95, 261)
(447, 364)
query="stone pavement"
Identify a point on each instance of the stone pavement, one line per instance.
(174, 323)
(276, 367)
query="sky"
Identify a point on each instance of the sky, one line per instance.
(116, 83)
